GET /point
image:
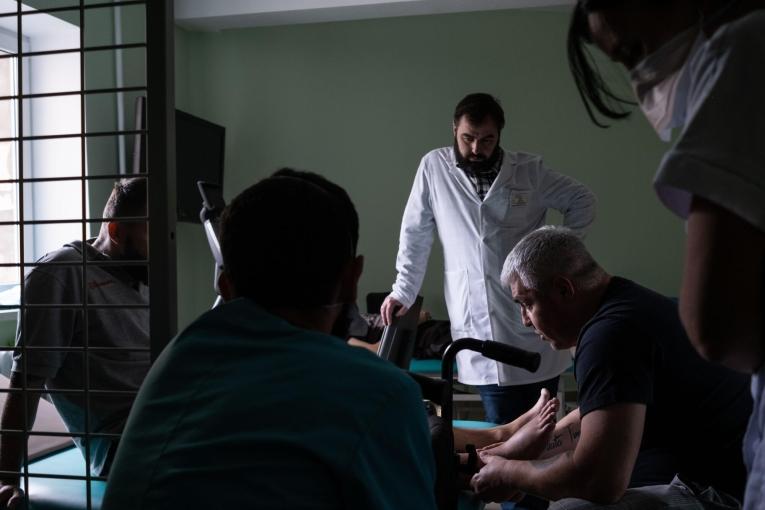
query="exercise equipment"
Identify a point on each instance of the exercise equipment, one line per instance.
(440, 391)
(212, 207)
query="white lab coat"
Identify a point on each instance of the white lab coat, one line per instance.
(477, 237)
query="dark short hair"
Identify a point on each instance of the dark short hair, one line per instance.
(128, 198)
(285, 242)
(349, 214)
(478, 107)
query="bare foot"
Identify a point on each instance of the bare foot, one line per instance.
(530, 441)
(506, 431)
(544, 397)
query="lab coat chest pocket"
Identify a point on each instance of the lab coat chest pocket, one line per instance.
(457, 300)
(509, 208)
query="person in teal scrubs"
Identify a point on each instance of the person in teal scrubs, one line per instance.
(257, 404)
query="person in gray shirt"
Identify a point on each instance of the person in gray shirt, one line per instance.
(56, 280)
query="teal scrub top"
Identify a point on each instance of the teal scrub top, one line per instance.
(244, 410)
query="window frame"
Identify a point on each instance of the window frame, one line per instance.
(40, 27)
(9, 290)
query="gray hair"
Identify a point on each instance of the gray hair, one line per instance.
(548, 252)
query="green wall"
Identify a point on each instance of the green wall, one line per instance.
(361, 102)
(194, 261)
(100, 73)
(7, 329)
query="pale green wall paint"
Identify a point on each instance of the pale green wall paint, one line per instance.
(194, 262)
(361, 102)
(7, 329)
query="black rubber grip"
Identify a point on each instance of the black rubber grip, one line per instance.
(511, 355)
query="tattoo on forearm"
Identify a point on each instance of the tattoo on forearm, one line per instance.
(557, 439)
(554, 443)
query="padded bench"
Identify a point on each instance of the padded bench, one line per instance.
(58, 494)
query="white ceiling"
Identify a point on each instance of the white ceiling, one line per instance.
(214, 15)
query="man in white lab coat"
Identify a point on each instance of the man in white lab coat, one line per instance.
(482, 200)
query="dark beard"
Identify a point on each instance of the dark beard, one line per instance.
(476, 166)
(139, 273)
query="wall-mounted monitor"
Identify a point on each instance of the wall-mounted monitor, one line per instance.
(199, 151)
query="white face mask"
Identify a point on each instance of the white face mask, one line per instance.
(660, 82)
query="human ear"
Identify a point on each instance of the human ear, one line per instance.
(349, 282)
(563, 287)
(115, 232)
(226, 287)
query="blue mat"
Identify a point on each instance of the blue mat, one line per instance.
(56, 494)
(425, 366)
(472, 424)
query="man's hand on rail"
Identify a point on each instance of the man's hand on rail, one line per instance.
(389, 307)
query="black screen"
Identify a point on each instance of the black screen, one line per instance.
(199, 150)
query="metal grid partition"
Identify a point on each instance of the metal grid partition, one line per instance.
(77, 70)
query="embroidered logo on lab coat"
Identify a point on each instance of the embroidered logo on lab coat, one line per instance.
(519, 199)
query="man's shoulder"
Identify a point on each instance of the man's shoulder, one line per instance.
(253, 345)
(628, 309)
(60, 265)
(522, 156)
(625, 295)
(67, 253)
(68, 258)
(356, 363)
(442, 156)
(242, 322)
(368, 363)
(389, 394)
(521, 159)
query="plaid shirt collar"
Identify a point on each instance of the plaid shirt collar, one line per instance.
(482, 180)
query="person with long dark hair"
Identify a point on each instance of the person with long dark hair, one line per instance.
(698, 66)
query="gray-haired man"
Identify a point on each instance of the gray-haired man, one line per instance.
(649, 406)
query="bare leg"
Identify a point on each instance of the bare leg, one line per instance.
(485, 437)
(365, 345)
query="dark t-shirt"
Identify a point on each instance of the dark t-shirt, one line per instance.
(635, 350)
